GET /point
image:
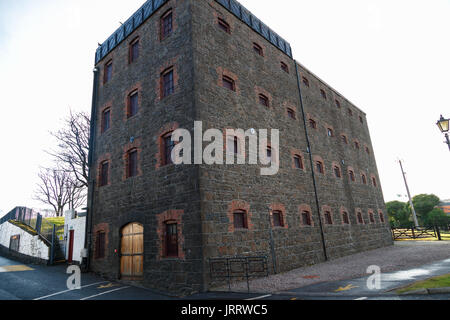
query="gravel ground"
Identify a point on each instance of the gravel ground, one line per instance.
(401, 256)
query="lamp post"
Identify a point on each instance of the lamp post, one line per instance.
(443, 125)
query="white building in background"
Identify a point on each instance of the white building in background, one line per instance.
(74, 235)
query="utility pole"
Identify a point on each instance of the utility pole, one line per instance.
(409, 195)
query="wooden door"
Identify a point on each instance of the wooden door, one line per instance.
(71, 239)
(132, 251)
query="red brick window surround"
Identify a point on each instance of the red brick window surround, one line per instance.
(305, 81)
(132, 163)
(166, 24)
(337, 171)
(345, 217)
(104, 173)
(170, 235)
(258, 49)
(323, 94)
(100, 244)
(284, 67)
(106, 120)
(167, 82)
(371, 217)
(239, 216)
(133, 104)
(263, 100)
(228, 83)
(338, 104)
(278, 215)
(312, 123)
(351, 175)
(359, 217)
(381, 215)
(107, 71)
(224, 25)
(291, 114)
(133, 50)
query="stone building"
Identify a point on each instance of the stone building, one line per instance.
(180, 61)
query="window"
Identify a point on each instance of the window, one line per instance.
(167, 83)
(240, 219)
(277, 218)
(269, 153)
(291, 114)
(345, 218)
(381, 216)
(330, 132)
(106, 120)
(236, 145)
(319, 167)
(134, 51)
(312, 124)
(166, 24)
(263, 100)
(132, 158)
(351, 175)
(104, 173)
(284, 67)
(168, 147)
(371, 217)
(107, 72)
(328, 218)
(133, 104)
(357, 145)
(367, 150)
(360, 218)
(14, 243)
(298, 162)
(350, 112)
(374, 181)
(338, 104)
(224, 25)
(337, 171)
(361, 119)
(344, 139)
(305, 81)
(323, 94)
(363, 179)
(258, 49)
(100, 245)
(228, 83)
(171, 239)
(306, 218)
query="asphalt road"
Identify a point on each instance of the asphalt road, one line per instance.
(31, 282)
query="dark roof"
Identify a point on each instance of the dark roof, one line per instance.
(151, 6)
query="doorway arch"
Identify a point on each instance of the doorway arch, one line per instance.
(132, 251)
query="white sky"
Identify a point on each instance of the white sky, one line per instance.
(390, 58)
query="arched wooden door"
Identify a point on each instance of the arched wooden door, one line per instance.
(132, 251)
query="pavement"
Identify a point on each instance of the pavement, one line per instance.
(36, 282)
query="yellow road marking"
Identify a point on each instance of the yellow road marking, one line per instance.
(346, 288)
(15, 268)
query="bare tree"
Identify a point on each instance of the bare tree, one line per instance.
(58, 188)
(73, 147)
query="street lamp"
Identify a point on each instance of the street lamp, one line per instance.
(443, 125)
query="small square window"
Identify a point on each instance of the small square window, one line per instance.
(337, 172)
(167, 82)
(228, 83)
(319, 167)
(361, 119)
(298, 162)
(360, 218)
(350, 112)
(338, 104)
(258, 49)
(357, 145)
(240, 219)
(134, 51)
(344, 139)
(363, 179)
(323, 94)
(306, 82)
(284, 67)
(166, 24)
(312, 124)
(328, 218)
(345, 218)
(263, 100)
(277, 218)
(381, 216)
(106, 120)
(330, 132)
(291, 114)
(306, 218)
(224, 25)
(351, 175)
(371, 217)
(374, 181)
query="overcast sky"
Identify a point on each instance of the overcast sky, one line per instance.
(390, 58)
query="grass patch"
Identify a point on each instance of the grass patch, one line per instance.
(436, 282)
